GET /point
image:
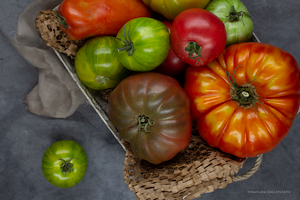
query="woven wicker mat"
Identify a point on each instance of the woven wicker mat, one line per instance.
(196, 170)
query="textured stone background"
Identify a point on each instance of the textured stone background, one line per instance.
(24, 137)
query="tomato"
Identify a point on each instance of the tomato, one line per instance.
(64, 163)
(246, 100)
(197, 36)
(81, 19)
(97, 65)
(171, 8)
(152, 112)
(145, 44)
(172, 65)
(236, 17)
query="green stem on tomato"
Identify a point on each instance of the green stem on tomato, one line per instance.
(61, 19)
(194, 50)
(144, 122)
(245, 95)
(234, 16)
(128, 44)
(66, 166)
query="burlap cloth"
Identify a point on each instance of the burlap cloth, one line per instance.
(56, 94)
(196, 170)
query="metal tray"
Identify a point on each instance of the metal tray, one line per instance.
(100, 105)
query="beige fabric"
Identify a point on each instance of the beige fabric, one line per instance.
(56, 94)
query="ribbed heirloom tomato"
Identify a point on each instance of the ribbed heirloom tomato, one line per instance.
(144, 44)
(152, 112)
(246, 100)
(236, 17)
(97, 64)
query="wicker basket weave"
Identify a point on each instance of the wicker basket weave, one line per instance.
(196, 170)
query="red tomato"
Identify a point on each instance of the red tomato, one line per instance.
(152, 112)
(198, 36)
(172, 65)
(246, 100)
(87, 18)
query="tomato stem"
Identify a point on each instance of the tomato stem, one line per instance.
(61, 19)
(128, 44)
(245, 95)
(194, 50)
(66, 166)
(234, 16)
(101, 79)
(144, 122)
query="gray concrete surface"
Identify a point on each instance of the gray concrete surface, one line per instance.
(24, 137)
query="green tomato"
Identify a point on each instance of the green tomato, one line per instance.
(145, 44)
(236, 18)
(64, 163)
(97, 65)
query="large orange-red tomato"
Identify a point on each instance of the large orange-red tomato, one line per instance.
(246, 100)
(152, 112)
(81, 19)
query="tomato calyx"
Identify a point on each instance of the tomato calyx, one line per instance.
(194, 50)
(234, 16)
(128, 44)
(61, 19)
(144, 122)
(66, 166)
(245, 95)
(101, 79)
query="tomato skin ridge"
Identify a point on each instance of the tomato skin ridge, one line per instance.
(154, 96)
